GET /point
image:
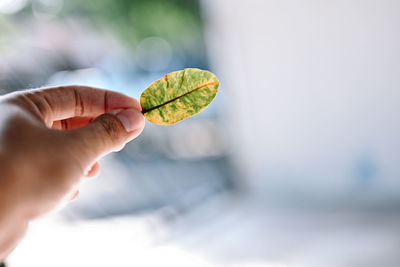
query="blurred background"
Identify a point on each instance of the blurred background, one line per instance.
(296, 162)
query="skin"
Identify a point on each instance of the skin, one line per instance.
(50, 139)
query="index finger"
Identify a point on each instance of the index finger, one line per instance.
(58, 103)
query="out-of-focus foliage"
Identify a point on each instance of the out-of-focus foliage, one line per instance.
(145, 35)
(177, 21)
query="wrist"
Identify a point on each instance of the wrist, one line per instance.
(11, 198)
(13, 224)
(13, 219)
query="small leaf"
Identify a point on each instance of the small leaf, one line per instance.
(178, 95)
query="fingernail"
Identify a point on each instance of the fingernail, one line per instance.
(131, 119)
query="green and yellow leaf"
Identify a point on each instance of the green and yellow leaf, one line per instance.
(178, 95)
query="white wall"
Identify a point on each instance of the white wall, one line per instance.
(311, 90)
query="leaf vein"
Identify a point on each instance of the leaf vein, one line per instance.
(169, 101)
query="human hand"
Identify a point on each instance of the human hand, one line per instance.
(49, 139)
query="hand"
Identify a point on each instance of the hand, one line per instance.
(49, 139)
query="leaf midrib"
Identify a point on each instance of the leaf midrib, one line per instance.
(169, 101)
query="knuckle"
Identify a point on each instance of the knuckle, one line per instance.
(111, 126)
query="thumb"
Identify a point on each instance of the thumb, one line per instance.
(108, 132)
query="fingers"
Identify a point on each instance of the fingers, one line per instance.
(59, 103)
(74, 196)
(93, 171)
(109, 132)
(72, 123)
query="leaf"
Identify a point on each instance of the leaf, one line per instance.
(178, 95)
